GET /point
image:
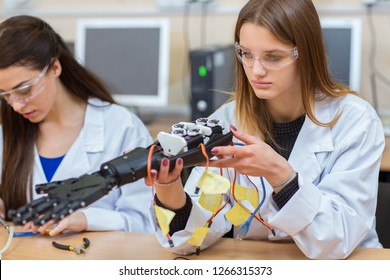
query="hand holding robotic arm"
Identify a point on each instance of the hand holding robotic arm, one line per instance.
(64, 197)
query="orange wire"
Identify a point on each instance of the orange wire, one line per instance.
(232, 192)
(204, 152)
(219, 210)
(237, 201)
(149, 169)
(263, 222)
(232, 187)
(223, 206)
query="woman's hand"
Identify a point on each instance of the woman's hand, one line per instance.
(75, 222)
(254, 158)
(168, 184)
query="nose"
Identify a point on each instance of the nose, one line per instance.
(258, 68)
(18, 106)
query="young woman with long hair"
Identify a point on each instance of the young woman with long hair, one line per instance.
(307, 149)
(58, 121)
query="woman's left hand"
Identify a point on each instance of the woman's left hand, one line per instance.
(168, 184)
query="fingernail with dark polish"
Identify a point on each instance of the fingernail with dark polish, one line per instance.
(179, 161)
(232, 127)
(165, 162)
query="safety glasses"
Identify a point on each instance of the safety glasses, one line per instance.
(271, 60)
(27, 92)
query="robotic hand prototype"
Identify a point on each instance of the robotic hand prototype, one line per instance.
(64, 197)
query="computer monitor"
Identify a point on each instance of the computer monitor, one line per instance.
(131, 56)
(343, 43)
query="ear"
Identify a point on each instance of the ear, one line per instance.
(56, 68)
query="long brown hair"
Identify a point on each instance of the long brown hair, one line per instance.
(294, 22)
(29, 41)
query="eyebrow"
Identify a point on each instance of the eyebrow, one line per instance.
(22, 83)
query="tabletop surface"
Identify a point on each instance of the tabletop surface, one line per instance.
(117, 245)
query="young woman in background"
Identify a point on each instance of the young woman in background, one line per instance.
(58, 121)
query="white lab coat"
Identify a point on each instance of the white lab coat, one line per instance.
(333, 212)
(108, 131)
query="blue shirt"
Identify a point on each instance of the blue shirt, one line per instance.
(50, 165)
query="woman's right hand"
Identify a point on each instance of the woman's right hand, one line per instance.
(168, 184)
(255, 158)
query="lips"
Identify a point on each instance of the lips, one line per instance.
(29, 115)
(261, 84)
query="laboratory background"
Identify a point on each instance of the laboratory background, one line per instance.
(195, 44)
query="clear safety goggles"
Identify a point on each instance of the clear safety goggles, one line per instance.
(271, 60)
(27, 92)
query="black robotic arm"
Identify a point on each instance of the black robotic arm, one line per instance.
(64, 197)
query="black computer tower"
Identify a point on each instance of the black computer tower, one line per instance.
(212, 75)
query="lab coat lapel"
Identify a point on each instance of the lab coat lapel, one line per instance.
(311, 141)
(38, 175)
(75, 162)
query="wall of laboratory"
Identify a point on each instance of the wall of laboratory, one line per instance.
(191, 29)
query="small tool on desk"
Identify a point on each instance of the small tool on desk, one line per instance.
(77, 249)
